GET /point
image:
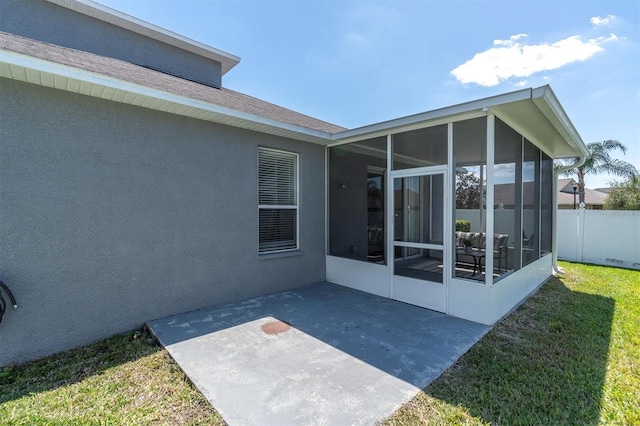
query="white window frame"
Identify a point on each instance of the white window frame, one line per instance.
(295, 206)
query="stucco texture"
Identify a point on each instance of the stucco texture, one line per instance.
(68, 28)
(113, 215)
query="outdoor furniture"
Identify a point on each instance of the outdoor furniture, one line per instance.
(477, 256)
(375, 244)
(500, 249)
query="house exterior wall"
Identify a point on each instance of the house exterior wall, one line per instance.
(587, 206)
(71, 29)
(113, 215)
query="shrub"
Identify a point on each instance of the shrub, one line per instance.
(463, 225)
(624, 195)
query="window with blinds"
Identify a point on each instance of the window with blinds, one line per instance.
(277, 200)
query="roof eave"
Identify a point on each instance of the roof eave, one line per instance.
(540, 102)
(45, 73)
(547, 102)
(457, 112)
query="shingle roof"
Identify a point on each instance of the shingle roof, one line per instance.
(604, 190)
(504, 193)
(129, 72)
(565, 185)
(591, 196)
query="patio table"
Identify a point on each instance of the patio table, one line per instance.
(477, 256)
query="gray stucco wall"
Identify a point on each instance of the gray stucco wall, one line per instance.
(113, 215)
(75, 30)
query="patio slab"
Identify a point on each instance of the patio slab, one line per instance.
(348, 357)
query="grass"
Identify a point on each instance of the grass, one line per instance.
(127, 379)
(569, 355)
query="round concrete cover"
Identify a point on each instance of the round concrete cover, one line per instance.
(275, 327)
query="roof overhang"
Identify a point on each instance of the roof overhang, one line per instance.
(114, 17)
(534, 113)
(45, 73)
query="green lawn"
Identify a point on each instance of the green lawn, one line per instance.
(569, 355)
(126, 379)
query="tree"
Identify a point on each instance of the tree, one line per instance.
(624, 195)
(467, 191)
(599, 161)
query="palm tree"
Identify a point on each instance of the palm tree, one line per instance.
(599, 161)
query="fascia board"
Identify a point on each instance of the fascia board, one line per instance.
(542, 97)
(115, 17)
(550, 106)
(50, 70)
(403, 127)
(448, 113)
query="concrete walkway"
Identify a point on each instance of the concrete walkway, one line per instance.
(348, 357)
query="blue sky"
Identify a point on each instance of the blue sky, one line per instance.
(354, 63)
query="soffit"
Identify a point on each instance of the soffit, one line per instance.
(54, 75)
(528, 119)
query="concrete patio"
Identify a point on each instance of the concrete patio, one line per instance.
(348, 357)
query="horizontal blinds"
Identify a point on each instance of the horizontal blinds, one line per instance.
(277, 200)
(277, 173)
(277, 229)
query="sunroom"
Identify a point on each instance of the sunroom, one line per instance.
(452, 209)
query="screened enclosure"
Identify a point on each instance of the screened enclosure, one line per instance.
(521, 209)
(451, 210)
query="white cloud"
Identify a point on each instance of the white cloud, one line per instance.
(509, 42)
(512, 58)
(612, 37)
(521, 83)
(599, 21)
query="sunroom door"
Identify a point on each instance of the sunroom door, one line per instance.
(420, 262)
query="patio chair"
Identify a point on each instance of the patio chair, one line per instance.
(500, 250)
(375, 249)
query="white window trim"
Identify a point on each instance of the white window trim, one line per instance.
(295, 207)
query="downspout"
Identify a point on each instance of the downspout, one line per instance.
(579, 162)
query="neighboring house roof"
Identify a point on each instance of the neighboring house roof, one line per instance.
(565, 185)
(604, 190)
(117, 18)
(504, 193)
(23, 68)
(592, 197)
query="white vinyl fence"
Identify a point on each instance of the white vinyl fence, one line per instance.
(602, 237)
